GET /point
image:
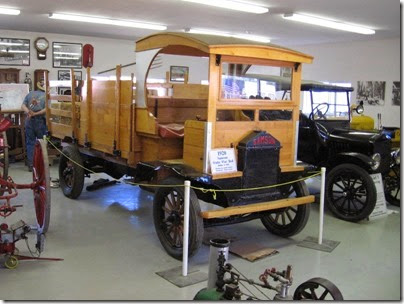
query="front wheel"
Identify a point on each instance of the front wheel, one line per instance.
(392, 186)
(168, 214)
(71, 172)
(41, 179)
(318, 289)
(291, 220)
(350, 192)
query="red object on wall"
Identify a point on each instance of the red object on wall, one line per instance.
(88, 55)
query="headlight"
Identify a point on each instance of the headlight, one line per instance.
(395, 155)
(376, 161)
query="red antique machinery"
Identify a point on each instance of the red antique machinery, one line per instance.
(40, 186)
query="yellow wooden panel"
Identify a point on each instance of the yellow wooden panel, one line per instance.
(145, 121)
(193, 156)
(258, 207)
(191, 91)
(227, 175)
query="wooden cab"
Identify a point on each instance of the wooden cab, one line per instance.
(222, 113)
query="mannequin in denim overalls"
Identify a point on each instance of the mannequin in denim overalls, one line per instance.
(35, 122)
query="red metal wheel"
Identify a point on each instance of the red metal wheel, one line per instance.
(41, 178)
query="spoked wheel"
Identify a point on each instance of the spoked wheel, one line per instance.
(4, 161)
(350, 192)
(71, 172)
(11, 262)
(318, 289)
(291, 220)
(392, 186)
(41, 178)
(168, 214)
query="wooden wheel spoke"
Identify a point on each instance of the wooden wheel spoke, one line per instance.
(288, 215)
(313, 293)
(283, 219)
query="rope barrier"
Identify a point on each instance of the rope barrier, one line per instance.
(214, 191)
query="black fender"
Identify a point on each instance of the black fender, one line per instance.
(356, 158)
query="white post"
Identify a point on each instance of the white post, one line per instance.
(187, 185)
(321, 220)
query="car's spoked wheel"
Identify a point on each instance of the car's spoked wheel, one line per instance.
(291, 220)
(350, 192)
(41, 178)
(317, 289)
(168, 213)
(392, 186)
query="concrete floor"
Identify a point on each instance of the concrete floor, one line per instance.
(111, 251)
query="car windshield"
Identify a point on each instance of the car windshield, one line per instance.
(326, 105)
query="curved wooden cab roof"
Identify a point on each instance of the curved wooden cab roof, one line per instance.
(203, 45)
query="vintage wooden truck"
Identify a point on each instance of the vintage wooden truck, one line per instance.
(164, 133)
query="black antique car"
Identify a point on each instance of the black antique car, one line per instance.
(350, 156)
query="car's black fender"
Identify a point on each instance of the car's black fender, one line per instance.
(356, 158)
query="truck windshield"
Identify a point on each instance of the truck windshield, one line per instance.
(245, 81)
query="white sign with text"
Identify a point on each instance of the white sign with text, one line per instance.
(380, 207)
(222, 161)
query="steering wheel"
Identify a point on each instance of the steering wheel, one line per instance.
(317, 111)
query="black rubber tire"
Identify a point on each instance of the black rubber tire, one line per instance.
(318, 289)
(392, 186)
(358, 201)
(71, 174)
(171, 243)
(288, 221)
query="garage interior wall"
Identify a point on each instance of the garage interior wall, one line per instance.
(364, 61)
(343, 62)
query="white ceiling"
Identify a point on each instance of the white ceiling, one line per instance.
(380, 15)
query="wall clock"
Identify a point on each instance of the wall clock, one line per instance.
(41, 45)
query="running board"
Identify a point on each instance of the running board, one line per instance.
(258, 207)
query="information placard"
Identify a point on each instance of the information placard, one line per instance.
(222, 161)
(380, 207)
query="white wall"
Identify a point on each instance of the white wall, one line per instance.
(363, 61)
(107, 53)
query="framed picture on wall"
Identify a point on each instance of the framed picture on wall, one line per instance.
(371, 92)
(396, 94)
(67, 55)
(177, 73)
(65, 75)
(15, 51)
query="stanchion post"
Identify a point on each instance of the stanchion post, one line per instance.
(187, 185)
(322, 193)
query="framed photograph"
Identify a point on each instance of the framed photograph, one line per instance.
(371, 92)
(65, 75)
(177, 73)
(64, 91)
(396, 97)
(15, 51)
(67, 55)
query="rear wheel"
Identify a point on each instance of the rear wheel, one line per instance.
(392, 186)
(291, 220)
(71, 172)
(350, 192)
(168, 214)
(318, 289)
(41, 178)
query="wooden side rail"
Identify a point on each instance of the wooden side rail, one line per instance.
(258, 207)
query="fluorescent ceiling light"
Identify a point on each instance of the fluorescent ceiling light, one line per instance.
(233, 5)
(11, 43)
(328, 23)
(9, 11)
(108, 21)
(225, 34)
